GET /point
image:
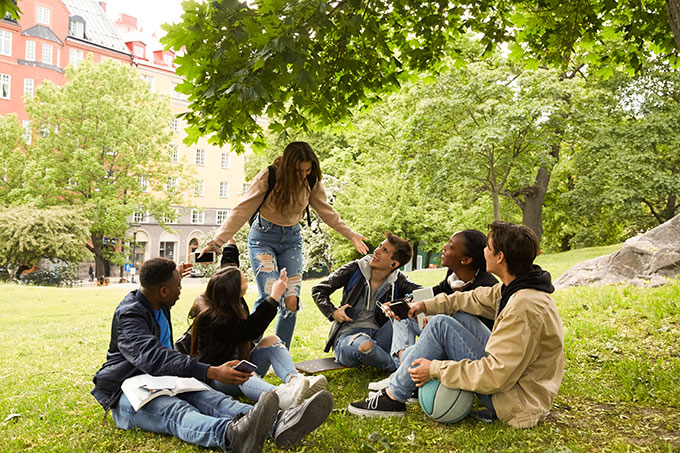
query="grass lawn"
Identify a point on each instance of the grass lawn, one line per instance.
(619, 393)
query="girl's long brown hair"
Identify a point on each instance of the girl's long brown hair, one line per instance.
(220, 302)
(287, 181)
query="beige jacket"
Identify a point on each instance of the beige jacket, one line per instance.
(523, 369)
(252, 199)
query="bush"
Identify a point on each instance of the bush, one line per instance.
(64, 275)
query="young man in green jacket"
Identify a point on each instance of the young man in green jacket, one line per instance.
(516, 368)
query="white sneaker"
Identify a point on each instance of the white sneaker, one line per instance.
(382, 384)
(316, 384)
(293, 393)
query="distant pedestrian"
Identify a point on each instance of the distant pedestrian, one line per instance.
(91, 272)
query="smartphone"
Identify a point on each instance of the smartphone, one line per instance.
(400, 308)
(350, 312)
(245, 367)
(208, 257)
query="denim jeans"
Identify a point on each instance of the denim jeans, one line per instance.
(347, 351)
(404, 334)
(275, 355)
(271, 248)
(456, 337)
(198, 418)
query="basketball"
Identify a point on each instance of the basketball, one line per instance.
(443, 404)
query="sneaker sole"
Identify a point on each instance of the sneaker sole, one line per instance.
(314, 389)
(254, 441)
(317, 411)
(372, 413)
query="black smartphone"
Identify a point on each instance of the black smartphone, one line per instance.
(400, 308)
(208, 257)
(245, 367)
(350, 312)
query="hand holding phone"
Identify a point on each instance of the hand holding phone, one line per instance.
(245, 367)
(206, 257)
(400, 308)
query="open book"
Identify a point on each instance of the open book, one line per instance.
(143, 388)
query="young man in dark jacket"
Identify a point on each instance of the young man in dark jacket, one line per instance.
(360, 334)
(141, 342)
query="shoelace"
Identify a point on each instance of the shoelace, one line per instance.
(372, 401)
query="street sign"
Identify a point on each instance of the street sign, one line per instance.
(128, 267)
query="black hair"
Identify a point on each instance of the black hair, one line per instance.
(156, 271)
(474, 242)
(518, 243)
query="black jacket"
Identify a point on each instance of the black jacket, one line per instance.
(135, 348)
(398, 284)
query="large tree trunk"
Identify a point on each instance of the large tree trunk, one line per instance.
(674, 19)
(97, 250)
(414, 258)
(532, 208)
(495, 198)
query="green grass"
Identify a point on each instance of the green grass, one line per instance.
(619, 391)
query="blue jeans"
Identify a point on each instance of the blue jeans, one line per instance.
(271, 248)
(199, 418)
(347, 351)
(456, 337)
(275, 355)
(404, 334)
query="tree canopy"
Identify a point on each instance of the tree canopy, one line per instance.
(303, 63)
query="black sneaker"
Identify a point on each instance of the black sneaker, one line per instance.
(296, 423)
(378, 405)
(247, 432)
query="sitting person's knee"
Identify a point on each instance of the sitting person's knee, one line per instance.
(271, 340)
(366, 347)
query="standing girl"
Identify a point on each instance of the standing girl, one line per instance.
(274, 241)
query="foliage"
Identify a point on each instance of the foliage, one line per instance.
(99, 145)
(28, 233)
(619, 391)
(10, 7)
(59, 275)
(302, 63)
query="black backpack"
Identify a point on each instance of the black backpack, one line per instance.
(271, 182)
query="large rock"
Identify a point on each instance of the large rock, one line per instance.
(645, 260)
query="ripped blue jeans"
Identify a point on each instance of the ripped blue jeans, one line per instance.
(272, 247)
(275, 355)
(347, 346)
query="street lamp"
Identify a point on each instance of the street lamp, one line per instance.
(133, 227)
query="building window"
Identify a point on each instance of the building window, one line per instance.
(167, 250)
(174, 94)
(149, 81)
(75, 56)
(245, 187)
(30, 50)
(77, 29)
(5, 86)
(197, 216)
(171, 186)
(139, 51)
(174, 153)
(29, 85)
(171, 220)
(5, 43)
(200, 157)
(144, 183)
(140, 217)
(176, 125)
(199, 190)
(222, 215)
(42, 15)
(46, 53)
(224, 160)
(224, 189)
(28, 133)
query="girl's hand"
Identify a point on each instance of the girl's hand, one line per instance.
(358, 242)
(280, 285)
(416, 309)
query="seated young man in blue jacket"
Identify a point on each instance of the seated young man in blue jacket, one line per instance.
(360, 333)
(141, 342)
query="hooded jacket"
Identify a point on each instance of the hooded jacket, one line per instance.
(525, 361)
(397, 285)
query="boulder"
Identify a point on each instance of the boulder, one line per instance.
(649, 259)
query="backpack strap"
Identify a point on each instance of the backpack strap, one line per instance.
(271, 182)
(352, 281)
(311, 180)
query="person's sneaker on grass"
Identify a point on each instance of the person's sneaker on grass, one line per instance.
(378, 404)
(381, 384)
(316, 384)
(294, 424)
(293, 393)
(247, 432)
